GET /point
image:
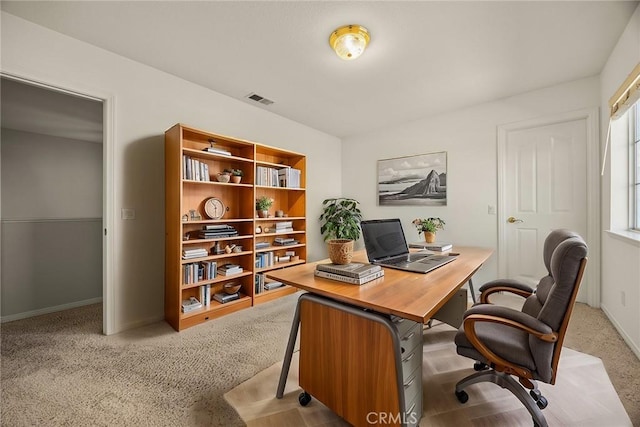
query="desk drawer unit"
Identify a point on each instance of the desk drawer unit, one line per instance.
(410, 334)
(355, 362)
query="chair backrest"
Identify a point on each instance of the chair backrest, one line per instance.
(556, 296)
(535, 302)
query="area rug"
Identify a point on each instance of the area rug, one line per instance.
(582, 395)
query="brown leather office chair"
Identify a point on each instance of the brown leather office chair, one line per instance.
(524, 344)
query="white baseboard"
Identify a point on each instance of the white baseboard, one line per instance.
(47, 310)
(633, 346)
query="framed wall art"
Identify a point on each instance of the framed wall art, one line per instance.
(413, 180)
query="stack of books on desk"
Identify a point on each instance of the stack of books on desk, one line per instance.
(355, 273)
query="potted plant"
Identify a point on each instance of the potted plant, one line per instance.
(236, 175)
(429, 227)
(340, 227)
(263, 204)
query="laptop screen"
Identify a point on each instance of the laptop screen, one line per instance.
(383, 238)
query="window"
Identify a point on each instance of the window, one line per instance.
(634, 168)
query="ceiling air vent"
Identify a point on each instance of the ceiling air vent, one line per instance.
(261, 99)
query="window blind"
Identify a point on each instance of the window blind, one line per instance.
(626, 95)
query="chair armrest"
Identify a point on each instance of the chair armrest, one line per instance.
(504, 285)
(513, 318)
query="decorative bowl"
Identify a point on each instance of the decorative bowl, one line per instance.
(223, 177)
(231, 287)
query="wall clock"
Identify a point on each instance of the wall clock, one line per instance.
(214, 208)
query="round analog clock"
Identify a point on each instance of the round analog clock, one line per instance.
(214, 208)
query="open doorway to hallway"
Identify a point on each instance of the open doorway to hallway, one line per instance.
(51, 160)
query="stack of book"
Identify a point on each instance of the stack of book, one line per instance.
(355, 273)
(436, 247)
(229, 269)
(217, 231)
(194, 253)
(285, 241)
(223, 297)
(284, 227)
(262, 245)
(191, 304)
(217, 150)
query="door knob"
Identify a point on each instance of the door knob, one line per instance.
(512, 220)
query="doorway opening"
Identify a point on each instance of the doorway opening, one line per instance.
(52, 200)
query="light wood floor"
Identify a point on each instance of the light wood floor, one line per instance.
(582, 395)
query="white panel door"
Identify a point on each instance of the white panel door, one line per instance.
(545, 188)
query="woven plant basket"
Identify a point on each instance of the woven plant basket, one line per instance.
(340, 251)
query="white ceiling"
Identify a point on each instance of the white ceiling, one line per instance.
(425, 57)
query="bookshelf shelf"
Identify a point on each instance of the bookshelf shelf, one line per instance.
(189, 152)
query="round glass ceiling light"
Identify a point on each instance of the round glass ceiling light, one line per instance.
(349, 41)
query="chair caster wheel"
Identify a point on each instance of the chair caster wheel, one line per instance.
(462, 396)
(479, 366)
(542, 402)
(304, 398)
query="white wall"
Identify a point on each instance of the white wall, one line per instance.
(146, 102)
(469, 136)
(620, 254)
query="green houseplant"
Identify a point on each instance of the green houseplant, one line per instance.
(340, 227)
(429, 227)
(263, 203)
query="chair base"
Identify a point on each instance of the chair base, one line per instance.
(506, 381)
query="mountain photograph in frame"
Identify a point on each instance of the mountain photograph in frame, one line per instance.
(419, 180)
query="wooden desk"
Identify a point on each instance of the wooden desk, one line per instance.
(351, 333)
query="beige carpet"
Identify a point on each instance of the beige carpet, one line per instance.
(582, 396)
(59, 370)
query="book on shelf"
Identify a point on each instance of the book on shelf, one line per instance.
(194, 253)
(354, 269)
(347, 279)
(229, 269)
(191, 304)
(223, 298)
(217, 151)
(273, 285)
(436, 247)
(262, 245)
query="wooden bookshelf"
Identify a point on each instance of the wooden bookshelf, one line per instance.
(186, 216)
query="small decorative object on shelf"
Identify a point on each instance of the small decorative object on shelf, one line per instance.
(429, 227)
(224, 176)
(194, 215)
(231, 287)
(263, 204)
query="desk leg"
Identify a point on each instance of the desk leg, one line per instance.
(473, 293)
(286, 364)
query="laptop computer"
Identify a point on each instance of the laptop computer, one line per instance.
(386, 246)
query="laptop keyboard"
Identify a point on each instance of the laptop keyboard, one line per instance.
(405, 259)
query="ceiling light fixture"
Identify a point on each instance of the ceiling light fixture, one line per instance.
(349, 41)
